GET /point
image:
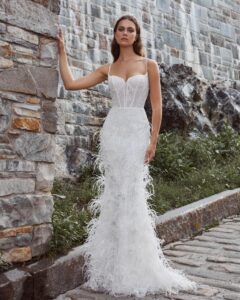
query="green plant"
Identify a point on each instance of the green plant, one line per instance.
(184, 170)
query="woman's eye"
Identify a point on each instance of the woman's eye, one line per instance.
(121, 29)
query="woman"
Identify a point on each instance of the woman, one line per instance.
(122, 252)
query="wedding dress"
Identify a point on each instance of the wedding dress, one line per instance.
(122, 252)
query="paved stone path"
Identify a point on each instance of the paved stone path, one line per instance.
(212, 259)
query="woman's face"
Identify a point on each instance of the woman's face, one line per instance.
(125, 34)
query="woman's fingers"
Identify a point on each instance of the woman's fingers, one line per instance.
(60, 33)
(149, 155)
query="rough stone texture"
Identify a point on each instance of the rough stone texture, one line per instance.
(195, 104)
(45, 177)
(16, 165)
(30, 80)
(16, 185)
(29, 124)
(44, 277)
(201, 37)
(28, 90)
(19, 254)
(14, 231)
(49, 116)
(213, 268)
(190, 219)
(41, 237)
(16, 284)
(36, 147)
(22, 210)
(30, 16)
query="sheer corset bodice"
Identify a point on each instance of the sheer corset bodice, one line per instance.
(132, 92)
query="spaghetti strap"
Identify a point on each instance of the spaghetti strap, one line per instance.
(146, 64)
(109, 69)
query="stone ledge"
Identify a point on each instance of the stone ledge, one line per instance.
(191, 219)
(41, 280)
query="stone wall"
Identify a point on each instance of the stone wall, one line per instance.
(202, 34)
(41, 138)
(28, 90)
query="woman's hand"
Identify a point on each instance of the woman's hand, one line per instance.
(60, 38)
(150, 152)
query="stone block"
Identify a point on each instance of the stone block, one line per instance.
(42, 235)
(235, 51)
(30, 107)
(227, 30)
(6, 151)
(203, 58)
(19, 254)
(16, 284)
(7, 243)
(45, 177)
(226, 54)
(30, 124)
(53, 5)
(163, 5)
(14, 231)
(48, 273)
(22, 210)
(49, 118)
(205, 3)
(12, 97)
(36, 147)
(3, 27)
(23, 34)
(5, 49)
(16, 185)
(5, 115)
(40, 81)
(20, 240)
(26, 112)
(217, 40)
(30, 16)
(171, 39)
(48, 51)
(5, 63)
(16, 166)
(23, 54)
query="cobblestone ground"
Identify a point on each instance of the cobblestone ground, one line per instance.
(212, 259)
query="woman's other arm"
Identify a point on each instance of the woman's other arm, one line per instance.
(156, 104)
(156, 100)
(95, 77)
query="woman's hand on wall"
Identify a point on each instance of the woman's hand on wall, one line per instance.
(60, 38)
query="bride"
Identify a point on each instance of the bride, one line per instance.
(122, 252)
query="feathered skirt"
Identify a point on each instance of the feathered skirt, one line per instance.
(123, 254)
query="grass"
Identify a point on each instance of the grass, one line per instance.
(184, 170)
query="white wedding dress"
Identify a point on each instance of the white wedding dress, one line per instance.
(122, 252)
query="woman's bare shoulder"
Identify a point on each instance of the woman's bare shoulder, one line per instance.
(153, 65)
(152, 62)
(104, 69)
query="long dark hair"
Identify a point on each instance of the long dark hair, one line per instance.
(137, 45)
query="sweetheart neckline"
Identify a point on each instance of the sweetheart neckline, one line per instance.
(128, 77)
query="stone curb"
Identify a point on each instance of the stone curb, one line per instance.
(191, 219)
(48, 278)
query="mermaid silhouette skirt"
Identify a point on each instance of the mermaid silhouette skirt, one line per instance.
(123, 254)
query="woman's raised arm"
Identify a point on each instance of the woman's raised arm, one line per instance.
(95, 77)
